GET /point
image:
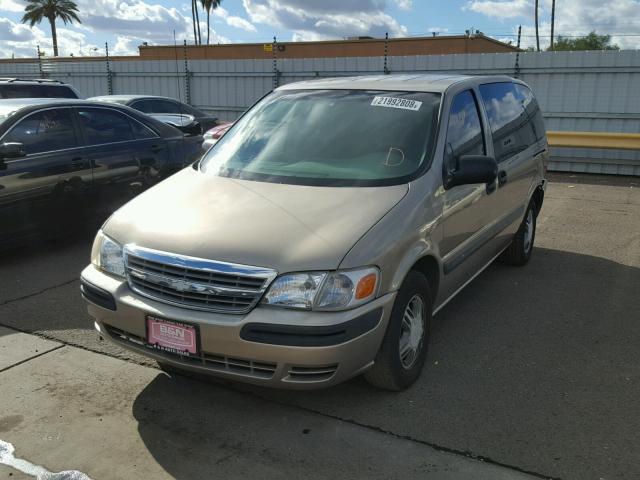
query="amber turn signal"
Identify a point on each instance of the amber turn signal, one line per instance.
(366, 286)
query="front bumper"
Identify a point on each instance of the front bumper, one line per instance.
(268, 346)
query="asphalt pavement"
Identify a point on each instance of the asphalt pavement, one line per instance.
(531, 371)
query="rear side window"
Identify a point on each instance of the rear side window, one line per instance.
(9, 90)
(464, 131)
(165, 106)
(191, 110)
(151, 105)
(532, 110)
(45, 131)
(511, 124)
(144, 106)
(105, 126)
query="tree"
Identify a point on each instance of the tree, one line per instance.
(593, 41)
(209, 5)
(196, 22)
(37, 10)
(193, 17)
(537, 36)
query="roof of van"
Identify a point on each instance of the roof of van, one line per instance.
(405, 82)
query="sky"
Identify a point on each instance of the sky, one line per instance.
(126, 24)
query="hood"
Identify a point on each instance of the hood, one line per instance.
(284, 227)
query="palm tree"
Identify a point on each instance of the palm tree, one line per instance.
(553, 19)
(195, 3)
(193, 16)
(209, 5)
(37, 10)
(537, 36)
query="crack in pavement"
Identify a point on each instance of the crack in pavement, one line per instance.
(31, 358)
(39, 292)
(435, 446)
(591, 200)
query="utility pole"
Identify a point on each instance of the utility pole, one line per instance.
(386, 52)
(109, 73)
(553, 19)
(537, 35)
(40, 61)
(187, 75)
(517, 66)
(276, 74)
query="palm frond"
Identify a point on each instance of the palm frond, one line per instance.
(37, 10)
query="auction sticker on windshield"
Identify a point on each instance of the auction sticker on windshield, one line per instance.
(394, 102)
(172, 337)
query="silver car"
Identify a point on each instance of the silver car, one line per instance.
(317, 238)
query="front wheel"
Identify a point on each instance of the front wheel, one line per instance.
(519, 252)
(402, 354)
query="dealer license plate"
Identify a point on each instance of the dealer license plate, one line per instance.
(171, 336)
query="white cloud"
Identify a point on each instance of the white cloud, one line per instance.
(132, 21)
(573, 18)
(125, 46)
(437, 29)
(20, 40)
(404, 4)
(242, 23)
(135, 18)
(234, 21)
(502, 9)
(326, 19)
(11, 6)
(15, 32)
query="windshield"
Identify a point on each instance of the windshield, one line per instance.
(329, 137)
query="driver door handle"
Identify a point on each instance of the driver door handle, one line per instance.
(502, 177)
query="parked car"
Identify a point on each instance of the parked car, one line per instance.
(317, 238)
(187, 124)
(59, 154)
(36, 88)
(154, 105)
(214, 134)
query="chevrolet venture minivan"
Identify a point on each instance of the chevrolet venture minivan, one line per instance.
(317, 238)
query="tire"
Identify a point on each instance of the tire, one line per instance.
(519, 252)
(390, 371)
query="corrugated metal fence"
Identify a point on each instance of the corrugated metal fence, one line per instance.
(578, 91)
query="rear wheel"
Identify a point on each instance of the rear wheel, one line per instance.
(404, 348)
(519, 252)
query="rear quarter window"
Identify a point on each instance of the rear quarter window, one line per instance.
(511, 118)
(532, 109)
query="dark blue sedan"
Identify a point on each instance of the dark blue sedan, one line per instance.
(57, 155)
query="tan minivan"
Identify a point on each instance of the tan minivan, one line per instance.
(317, 238)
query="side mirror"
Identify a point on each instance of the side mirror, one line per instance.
(11, 150)
(472, 169)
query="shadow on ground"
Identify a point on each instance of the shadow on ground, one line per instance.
(533, 367)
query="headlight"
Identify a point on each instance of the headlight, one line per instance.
(339, 290)
(106, 254)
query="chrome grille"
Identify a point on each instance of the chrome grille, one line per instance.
(195, 283)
